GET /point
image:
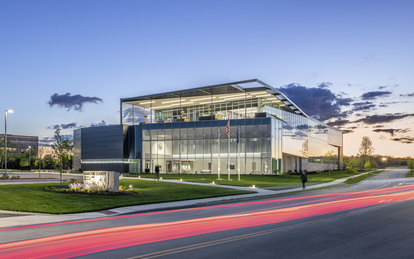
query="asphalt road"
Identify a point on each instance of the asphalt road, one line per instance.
(372, 219)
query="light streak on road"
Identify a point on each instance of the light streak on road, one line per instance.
(93, 241)
(344, 195)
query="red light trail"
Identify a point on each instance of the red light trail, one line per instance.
(93, 241)
(345, 194)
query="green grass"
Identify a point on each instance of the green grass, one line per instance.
(410, 173)
(272, 182)
(360, 178)
(33, 198)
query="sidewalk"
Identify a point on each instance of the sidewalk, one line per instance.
(10, 219)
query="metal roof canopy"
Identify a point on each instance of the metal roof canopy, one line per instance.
(250, 85)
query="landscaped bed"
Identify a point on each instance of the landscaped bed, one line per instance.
(271, 182)
(35, 198)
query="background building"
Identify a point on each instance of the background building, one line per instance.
(247, 126)
(20, 144)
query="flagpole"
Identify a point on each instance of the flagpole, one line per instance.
(228, 149)
(218, 159)
(238, 151)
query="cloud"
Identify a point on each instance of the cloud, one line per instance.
(64, 126)
(338, 122)
(407, 95)
(389, 117)
(375, 94)
(46, 141)
(405, 140)
(382, 87)
(324, 84)
(69, 101)
(363, 106)
(318, 102)
(99, 124)
(392, 131)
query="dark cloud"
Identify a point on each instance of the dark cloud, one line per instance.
(389, 117)
(69, 101)
(407, 95)
(392, 131)
(338, 122)
(375, 94)
(99, 124)
(318, 102)
(50, 140)
(363, 106)
(405, 140)
(383, 87)
(324, 85)
(64, 126)
(344, 101)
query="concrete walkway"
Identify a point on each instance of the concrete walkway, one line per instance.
(10, 219)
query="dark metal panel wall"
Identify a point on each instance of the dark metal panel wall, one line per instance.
(103, 142)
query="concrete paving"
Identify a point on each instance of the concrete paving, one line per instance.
(10, 219)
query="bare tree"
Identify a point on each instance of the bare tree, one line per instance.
(366, 149)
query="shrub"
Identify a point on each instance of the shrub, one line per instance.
(367, 165)
(410, 164)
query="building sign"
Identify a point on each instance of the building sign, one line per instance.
(104, 180)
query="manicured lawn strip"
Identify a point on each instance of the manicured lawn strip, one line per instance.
(410, 173)
(33, 198)
(361, 178)
(273, 182)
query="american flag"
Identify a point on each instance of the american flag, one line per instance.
(228, 128)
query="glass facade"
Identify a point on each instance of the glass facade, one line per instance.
(204, 147)
(307, 138)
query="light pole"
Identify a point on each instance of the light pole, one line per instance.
(30, 164)
(384, 159)
(5, 140)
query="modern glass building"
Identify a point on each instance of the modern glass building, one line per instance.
(245, 126)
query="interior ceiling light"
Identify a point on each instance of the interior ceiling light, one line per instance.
(148, 102)
(205, 98)
(173, 101)
(232, 95)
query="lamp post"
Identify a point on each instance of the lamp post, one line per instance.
(384, 159)
(5, 140)
(30, 164)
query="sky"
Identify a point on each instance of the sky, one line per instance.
(348, 63)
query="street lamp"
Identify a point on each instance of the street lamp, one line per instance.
(384, 160)
(5, 140)
(30, 164)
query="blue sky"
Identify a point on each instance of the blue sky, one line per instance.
(115, 49)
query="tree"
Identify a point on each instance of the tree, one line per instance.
(352, 165)
(366, 149)
(63, 150)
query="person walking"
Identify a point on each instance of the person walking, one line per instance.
(304, 179)
(157, 172)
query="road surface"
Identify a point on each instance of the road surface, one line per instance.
(372, 219)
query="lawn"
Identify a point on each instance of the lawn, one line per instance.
(33, 198)
(271, 182)
(361, 177)
(410, 173)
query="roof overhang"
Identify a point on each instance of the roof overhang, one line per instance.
(233, 91)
